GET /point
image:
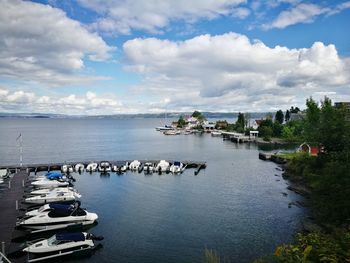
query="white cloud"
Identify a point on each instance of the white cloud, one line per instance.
(40, 43)
(231, 72)
(123, 16)
(89, 103)
(302, 13)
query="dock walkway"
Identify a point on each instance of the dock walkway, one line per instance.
(8, 212)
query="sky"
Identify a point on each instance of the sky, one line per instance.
(92, 57)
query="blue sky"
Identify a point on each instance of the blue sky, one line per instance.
(123, 56)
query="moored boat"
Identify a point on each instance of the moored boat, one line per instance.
(91, 167)
(162, 166)
(53, 197)
(177, 167)
(134, 165)
(79, 167)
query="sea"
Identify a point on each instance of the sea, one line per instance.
(238, 206)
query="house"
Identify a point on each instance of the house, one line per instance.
(296, 116)
(221, 125)
(256, 123)
(208, 126)
(343, 103)
(312, 150)
(192, 122)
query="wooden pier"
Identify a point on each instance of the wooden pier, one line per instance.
(11, 197)
(237, 137)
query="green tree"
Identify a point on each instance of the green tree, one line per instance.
(287, 116)
(312, 121)
(181, 122)
(279, 117)
(196, 114)
(240, 123)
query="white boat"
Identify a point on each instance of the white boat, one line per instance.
(164, 128)
(67, 168)
(172, 132)
(162, 166)
(91, 167)
(134, 165)
(1, 181)
(60, 244)
(45, 191)
(61, 241)
(177, 167)
(215, 133)
(148, 167)
(47, 208)
(58, 219)
(46, 183)
(53, 197)
(104, 167)
(3, 174)
(79, 167)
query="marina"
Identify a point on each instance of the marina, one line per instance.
(21, 183)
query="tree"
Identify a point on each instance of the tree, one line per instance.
(240, 123)
(196, 114)
(279, 117)
(294, 110)
(287, 116)
(181, 122)
(312, 121)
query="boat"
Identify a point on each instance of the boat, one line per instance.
(187, 132)
(148, 167)
(162, 166)
(172, 132)
(177, 167)
(46, 191)
(46, 208)
(105, 167)
(59, 218)
(164, 128)
(50, 176)
(59, 245)
(79, 167)
(53, 197)
(46, 183)
(134, 165)
(215, 134)
(3, 174)
(67, 169)
(91, 167)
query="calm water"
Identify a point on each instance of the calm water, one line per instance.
(235, 206)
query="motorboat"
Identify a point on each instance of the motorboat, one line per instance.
(124, 167)
(79, 167)
(177, 167)
(162, 166)
(47, 208)
(134, 165)
(172, 132)
(216, 134)
(148, 167)
(50, 176)
(3, 174)
(60, 244)
(91, 167)
(45, 191)
(105, 167)
(164, 128)
(67, 169)
(58, 218)
(46, 183)
(53, 197)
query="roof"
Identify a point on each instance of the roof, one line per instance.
(79, 236)
(258, 122)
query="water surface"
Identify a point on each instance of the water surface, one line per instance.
(234, 206)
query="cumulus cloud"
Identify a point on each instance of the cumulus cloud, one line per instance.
(123, 16)
(231, 70)
(88, 103)
(40, 43)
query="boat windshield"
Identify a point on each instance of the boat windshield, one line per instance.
(52, 241)
(41, 209)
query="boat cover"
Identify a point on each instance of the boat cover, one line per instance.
(78, 236)
(61, 206)
(53, 175)
(177, 163)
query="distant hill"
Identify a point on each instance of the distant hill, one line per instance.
(170, 115)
